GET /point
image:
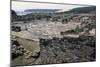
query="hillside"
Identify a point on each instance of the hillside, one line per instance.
(89, 9)
(82, 10)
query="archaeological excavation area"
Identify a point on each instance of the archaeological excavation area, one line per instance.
(52, 38)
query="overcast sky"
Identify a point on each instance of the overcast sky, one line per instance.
(21, 6)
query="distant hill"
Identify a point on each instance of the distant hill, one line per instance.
(41, 10)
(82, 10)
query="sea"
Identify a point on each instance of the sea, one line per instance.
(23, 13)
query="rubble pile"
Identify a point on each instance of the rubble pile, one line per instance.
(67, 49)
(22, 56)
(86, 27)
(25, 49)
